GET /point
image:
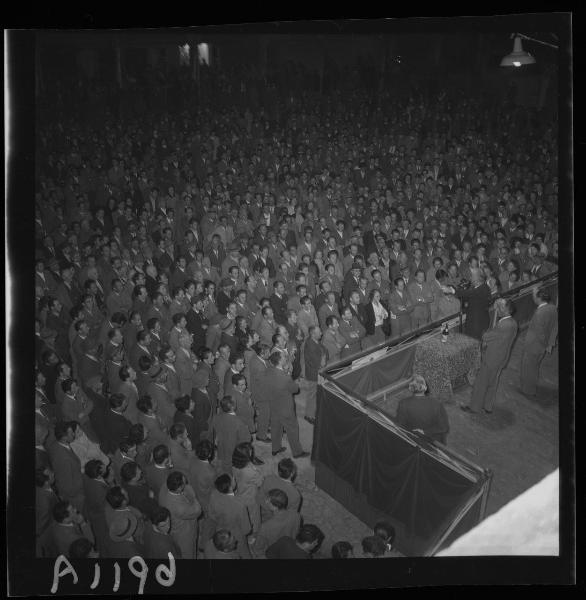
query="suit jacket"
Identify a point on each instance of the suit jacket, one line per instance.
(257, 368)
(165, 402)
(118, 303)
(315, 356)
(180, 456)
(477, 317)
(497, 343)
(156, 477)
(185, 367)
(426, 413)
(214, 386)
(354, 342)
(266, 331)
(203, 410)
(422, 297)
(157, 545)
(195, 323)
(201, 477)
(95, 501)
(350, 284)
(229, 512)
(228, 431)
(279, 306)
(130, 391)
(62, 536)
(190, 425)
(45, 501)
(282, 389)
(543, 329)
(272, 482)
(116, 428)
(260, 264)
(88, 368)
(263, 290)
(172, 383)
(305, 320)
(282, 523)
(134, 355)
(216, 260)
(324, 312)
(68, 478)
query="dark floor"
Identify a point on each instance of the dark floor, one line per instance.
(519, 440)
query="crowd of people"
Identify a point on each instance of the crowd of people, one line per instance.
(195, 270)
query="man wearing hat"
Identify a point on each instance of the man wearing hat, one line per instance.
(123, 533)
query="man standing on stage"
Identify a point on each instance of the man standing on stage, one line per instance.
(496, 348)
(540, 338)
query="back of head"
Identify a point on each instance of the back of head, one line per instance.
(385, 531)
(80, 548)
(373, 545)
(204, 450)
(242, 455)
(310, 534)
(222, 539)
(223, 483)
(286, 468)
(227, 404)
(278, 498)
(174, 481)
(417, 385)
(160, 454)
(159, 515)
(342, 550)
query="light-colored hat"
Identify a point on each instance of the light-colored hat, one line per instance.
(123, 526)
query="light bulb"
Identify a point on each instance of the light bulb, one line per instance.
(517, 64)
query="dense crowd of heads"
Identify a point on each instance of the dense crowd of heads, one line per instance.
(174, 248)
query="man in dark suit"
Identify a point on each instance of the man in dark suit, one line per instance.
(539, 339)
(116, 426)
(157, 540)
(197, 323)
(352, 280)
(282, 406)
(423, 414)
(478, 297)
(156, 473)
(67, 466)
(96, 487)
(278, 302)
(257, 369)
(315, 357)
(496, 349)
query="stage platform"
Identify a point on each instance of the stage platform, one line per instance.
(518, 442)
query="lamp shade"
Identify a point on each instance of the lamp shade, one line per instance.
(518, 56)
